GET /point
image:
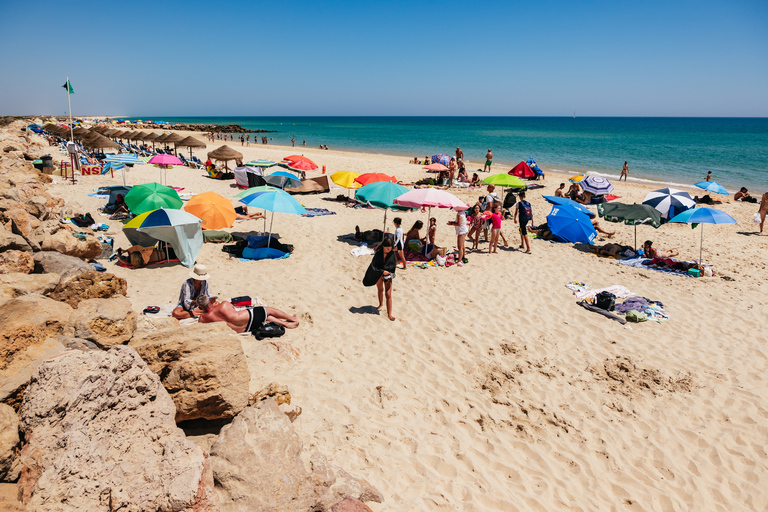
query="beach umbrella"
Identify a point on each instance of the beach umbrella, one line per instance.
(569, 202)
(173, 137)
(504, 180)
(522, 170)
(151, 196)
(282, 179)
(345, 179)
(438, 167)
(300, 158)
(275, 201)
(125, 158)
(630, 214)
(382, 194)
(164, 162)
(176, 227)
(441, 159)
(261, 162)
(191, 142)
(578, 178)
(429, 198)
(597, 185)
(711, 186)
(254, 190)
(669, 201)
(100, 142)
(703, 216)
(224, 154)
(373, 177)
(301, 165)
(214, 210)
(571, 225)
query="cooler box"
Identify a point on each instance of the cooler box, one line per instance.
(694, 272)
(240, 302)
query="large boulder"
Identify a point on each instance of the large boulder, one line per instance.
(25, 222)
(12, 242)
(15, 285)
(66, 243)
(51, 262)
(100, 435)
(45, 230)
(106, 322)
(202, 366)
(9, 444)
(260, 446)
(89, 285)
(16, 262)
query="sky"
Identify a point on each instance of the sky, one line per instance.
(347, 58)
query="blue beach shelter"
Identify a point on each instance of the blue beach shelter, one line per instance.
(569, 224)
(703, 216)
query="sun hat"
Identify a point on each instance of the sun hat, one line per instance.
(199, 273)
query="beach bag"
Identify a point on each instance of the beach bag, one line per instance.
(605, 300)
(440, 259)
(635, 316)
(269, 330)
(757, 217)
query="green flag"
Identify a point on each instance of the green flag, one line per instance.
(68, 87)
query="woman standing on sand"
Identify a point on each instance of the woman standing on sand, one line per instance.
(763, 210)
(381, 272)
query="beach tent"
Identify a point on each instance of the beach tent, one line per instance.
(569, 224)
(179, 228)
(522, 170)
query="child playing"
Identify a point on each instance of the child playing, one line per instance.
(523, 208)
(495, 228)
(399, 241)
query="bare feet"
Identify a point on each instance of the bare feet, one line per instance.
(392, 318)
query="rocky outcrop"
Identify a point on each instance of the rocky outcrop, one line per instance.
(350, 505)
(88, 285)
(203, 367)
(16, 261)
(101, 436)
(56, 263)
(261, 446)
(15, 285)
(106, 322)
(12, 242)
(66, 243)
(9, 444)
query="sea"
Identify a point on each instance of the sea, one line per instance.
(667, 150)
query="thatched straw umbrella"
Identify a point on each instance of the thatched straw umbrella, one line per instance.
(101, 142)
(173, 137)
(191, 142)
(81, 132)
(225, 153)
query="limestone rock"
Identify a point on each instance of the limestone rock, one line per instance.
(261, 446)
(45, 230)
(66, 243)
(150, 323)
(37, 206)
(100, 436)
(278, 392)
(9, 444)
(89, 285)
(16, 262)
(106, 322)
(350, 505)
(57, 263)
(12, 242)
(202, 366)
(15, 285)
(9, 498)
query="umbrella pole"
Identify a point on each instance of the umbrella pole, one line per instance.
(269, 239)
(384, 229)
(635, 237)
(123, 169)
(701, 243)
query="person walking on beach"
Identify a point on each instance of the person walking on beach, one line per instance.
(624, 172)
(763, 211)
(523, 208)
(381, 272)
(459, 154)
(461, 234)
(488, 160)
(293, 142)
(451, 171)
(400, 241)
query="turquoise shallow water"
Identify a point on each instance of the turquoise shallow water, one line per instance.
(670, 150)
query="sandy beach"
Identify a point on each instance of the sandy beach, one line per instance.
(494, 390)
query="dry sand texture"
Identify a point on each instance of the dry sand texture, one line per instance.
(493, 390)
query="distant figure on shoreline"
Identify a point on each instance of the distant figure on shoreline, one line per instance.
(763, 210)
(488, 160)
(459, 154)
(293, 142)
(709, 176)
(624, 172)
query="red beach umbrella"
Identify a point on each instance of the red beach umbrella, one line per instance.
(373, 177)
(300, 158)
(302, 165)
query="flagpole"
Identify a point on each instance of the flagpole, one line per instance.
(69, 102)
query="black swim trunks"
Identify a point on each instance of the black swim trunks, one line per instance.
(256, 317)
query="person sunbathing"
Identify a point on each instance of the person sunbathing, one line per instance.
(650, 252)
(249, 216)
(250, 319)
(611, 250)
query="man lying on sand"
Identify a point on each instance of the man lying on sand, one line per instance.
(241, 321)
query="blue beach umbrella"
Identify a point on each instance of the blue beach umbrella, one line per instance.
(570, 202)
(712, 186)
(570, 224)
(274, 201)
(124, 158)
(703, 216)
(382, 194)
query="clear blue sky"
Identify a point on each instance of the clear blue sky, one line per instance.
(512, 58)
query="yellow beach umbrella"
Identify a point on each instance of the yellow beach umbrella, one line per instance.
(345, 179)
(578, 177)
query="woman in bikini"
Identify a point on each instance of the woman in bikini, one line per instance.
(650, 252)
(763, 211)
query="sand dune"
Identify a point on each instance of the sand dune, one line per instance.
(493, 390)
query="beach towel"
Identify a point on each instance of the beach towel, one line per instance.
(264, 253)
(589, 307)
(362, 251)
(216, 236)
(641, 262)
(621, 292)
(317, 212)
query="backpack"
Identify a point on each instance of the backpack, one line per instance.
(605, 300)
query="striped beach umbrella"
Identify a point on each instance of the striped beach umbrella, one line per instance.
(597, 185)
(669, 201)
(261, 162)
(441, 159)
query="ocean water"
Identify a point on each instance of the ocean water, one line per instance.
(668, 150)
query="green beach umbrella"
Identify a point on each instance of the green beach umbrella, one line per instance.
(382, 195)
(504, 180)
(151, 196)
(630, 214)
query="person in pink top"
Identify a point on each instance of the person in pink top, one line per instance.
(495, 228)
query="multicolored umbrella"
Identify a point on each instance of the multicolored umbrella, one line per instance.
(254, 190)
(669, 201)
(571, 225)
(373, 177)
(703, 216)
(630, 214)
(382, 194)
(215, 211)
(125, 158)
(441, 159)
(261, 162)
(712, 186)
(578, 178)
(282, 179)
(151, 196)
(597, 185)
(176, 227)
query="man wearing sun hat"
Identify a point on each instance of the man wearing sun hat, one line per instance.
(195, 286)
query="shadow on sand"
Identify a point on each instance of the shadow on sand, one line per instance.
(365, 310)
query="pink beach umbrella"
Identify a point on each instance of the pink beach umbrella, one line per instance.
(435, 167)
(164, 161)
(430, 197)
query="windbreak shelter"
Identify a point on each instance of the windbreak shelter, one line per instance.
(178, 228)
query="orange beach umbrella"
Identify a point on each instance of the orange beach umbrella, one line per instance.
(214, 210)
(373, 177)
